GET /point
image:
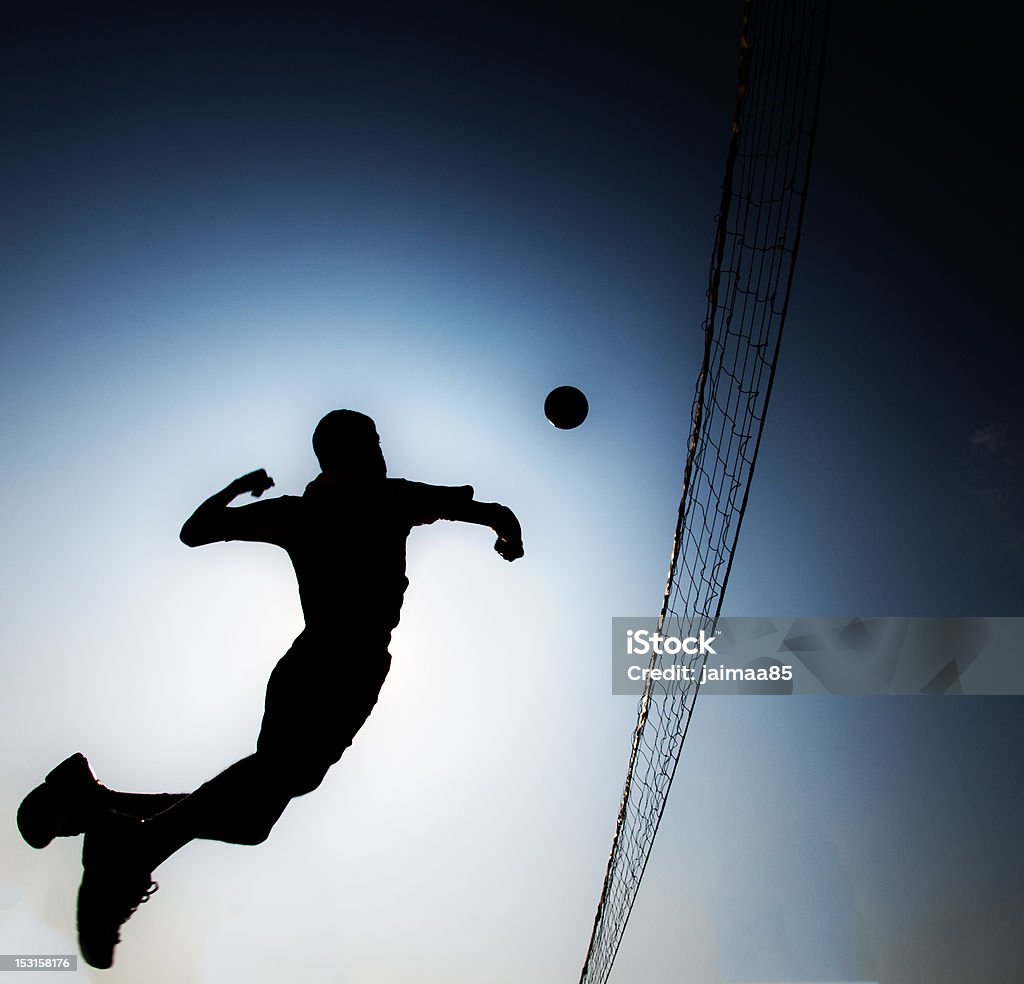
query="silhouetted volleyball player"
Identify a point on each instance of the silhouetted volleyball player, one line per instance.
(346, 539)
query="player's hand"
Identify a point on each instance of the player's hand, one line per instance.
(509, 549)
(510, 536)
(256, 482)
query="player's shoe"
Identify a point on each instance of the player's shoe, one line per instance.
(63, 805)
(114, 884)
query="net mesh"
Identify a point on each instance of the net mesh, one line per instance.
(764, 191)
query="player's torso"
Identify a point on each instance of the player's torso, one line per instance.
(347, 546)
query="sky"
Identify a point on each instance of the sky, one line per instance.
(220, 223)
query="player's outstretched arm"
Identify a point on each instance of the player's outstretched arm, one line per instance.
(207, 523)
(499, 518)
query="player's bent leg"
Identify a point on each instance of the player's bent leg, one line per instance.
(316, 703)
(306, 728)
(242, 804)
(239, 806)
(141, 806)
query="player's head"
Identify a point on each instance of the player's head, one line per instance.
(346, 444)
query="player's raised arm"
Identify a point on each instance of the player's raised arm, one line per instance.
(210, 522)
